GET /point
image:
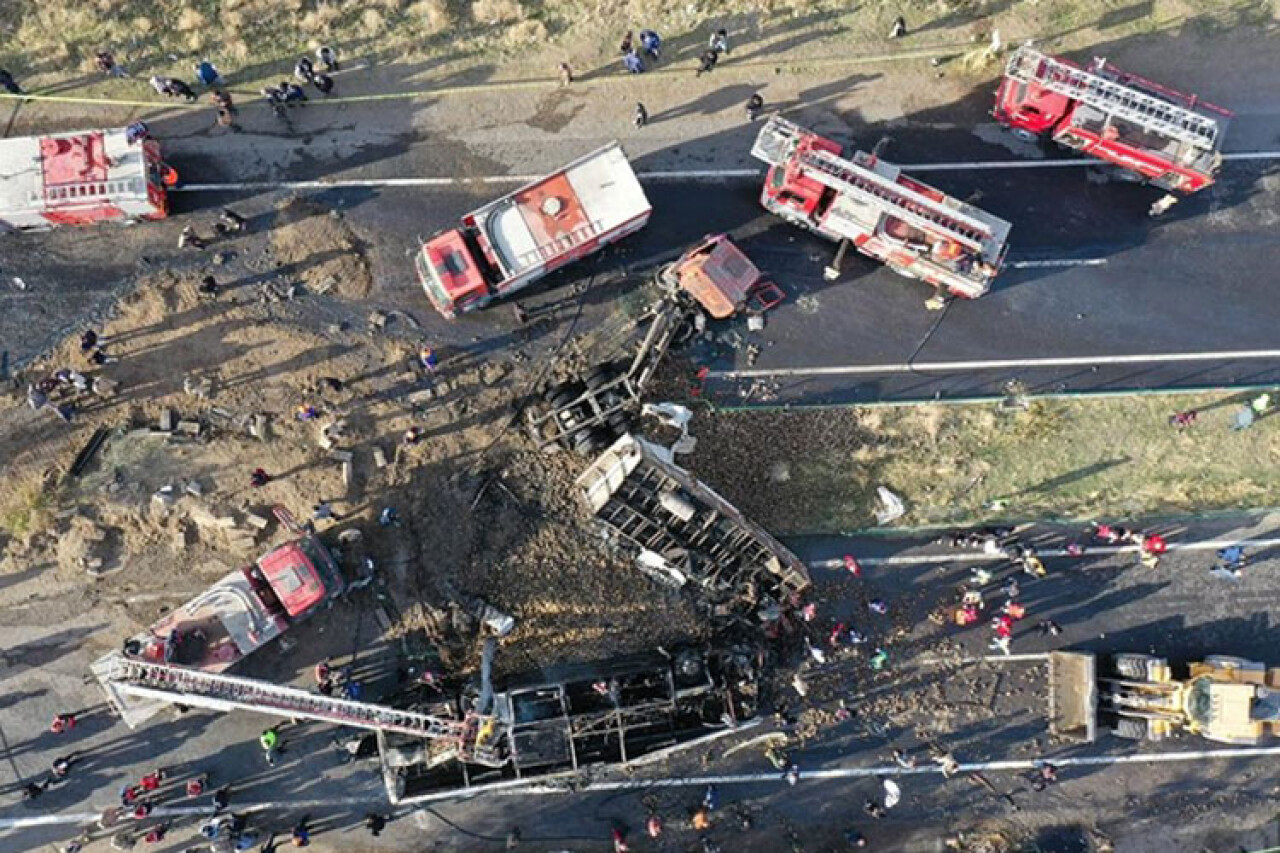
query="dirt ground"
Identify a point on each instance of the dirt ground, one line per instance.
(160, 513)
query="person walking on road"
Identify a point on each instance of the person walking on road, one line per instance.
(324, 83)
(633, 63)
(270, 742)
(707, 62)
(566, 74)
(719, 41)
(626, 47)
(1151, 546)
(754, 105)
(66, 722)
(300, 835)
(375, 823)
(221, 799)
(303, 70)
(327, 57)
(641, 116)
(899, 28)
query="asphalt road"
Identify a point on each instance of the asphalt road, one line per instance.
(1104, 602)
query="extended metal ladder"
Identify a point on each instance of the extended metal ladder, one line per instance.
(182, 686)
(1147, 111)
(910, 206)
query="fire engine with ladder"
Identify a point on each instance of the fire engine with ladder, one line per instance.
(134, 687)
(81, 178)
(911, 227)
(1167, 138)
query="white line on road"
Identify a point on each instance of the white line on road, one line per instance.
(581, 786)
(1063, 262)
(999, 364)
(1090, 550)
(671, 175)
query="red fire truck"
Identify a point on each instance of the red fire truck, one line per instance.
(1170, 139)
(80, 178)
(510, 243)
(912, 228)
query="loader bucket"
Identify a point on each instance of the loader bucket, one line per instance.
(1073, 696)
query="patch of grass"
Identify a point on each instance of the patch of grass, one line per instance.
(954, 465)
(28, 510)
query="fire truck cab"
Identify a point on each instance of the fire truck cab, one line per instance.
(510, 243)
(1170, 139)
(909, 226)
(80, 178)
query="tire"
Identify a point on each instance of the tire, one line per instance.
(1230, 662)
(565, 395)
(1131, 729)
(1132, 666)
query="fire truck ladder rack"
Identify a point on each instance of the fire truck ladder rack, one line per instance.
(1147, 111)
(915, 208)
(183, 686)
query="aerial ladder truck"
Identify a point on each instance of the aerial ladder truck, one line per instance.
(1165, 138)
(912, 228)
(130, 683)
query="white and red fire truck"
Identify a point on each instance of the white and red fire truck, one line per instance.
(1170, 139)
(81, 178)
(911, 227)
(510, 243)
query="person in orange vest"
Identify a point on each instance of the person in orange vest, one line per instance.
(1014, 610)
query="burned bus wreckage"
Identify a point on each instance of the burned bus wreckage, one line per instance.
(566, 722)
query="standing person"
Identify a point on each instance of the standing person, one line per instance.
(208, 287)
(106, 63)
(653, 826)
(707, 62)
(719, 41)
(31, 790)
(375, 823)
(328, 57)
(61, 766)
(195, 787)
(207, 75)
(259, 478)
(651, 44)
(324, 83)
(221, 799)
(270, 742)
(304, 70)
(754, 105)
(189, 237)
(1233, 556)
(323, 671)
(632, 62)
(1049, 628)
(9, 84)
(428, 359)
(899, 28)
(66, 722)
(641, 116)
(1151, 547)
(151, 781)
(626, 46)
(179, 89)
(292, 93)
(300, 835)
(566, 74)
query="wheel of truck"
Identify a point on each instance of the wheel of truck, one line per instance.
(1133, 666)
(1130, 728)
(617, 422)
(589, 442)
(1229, 662)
